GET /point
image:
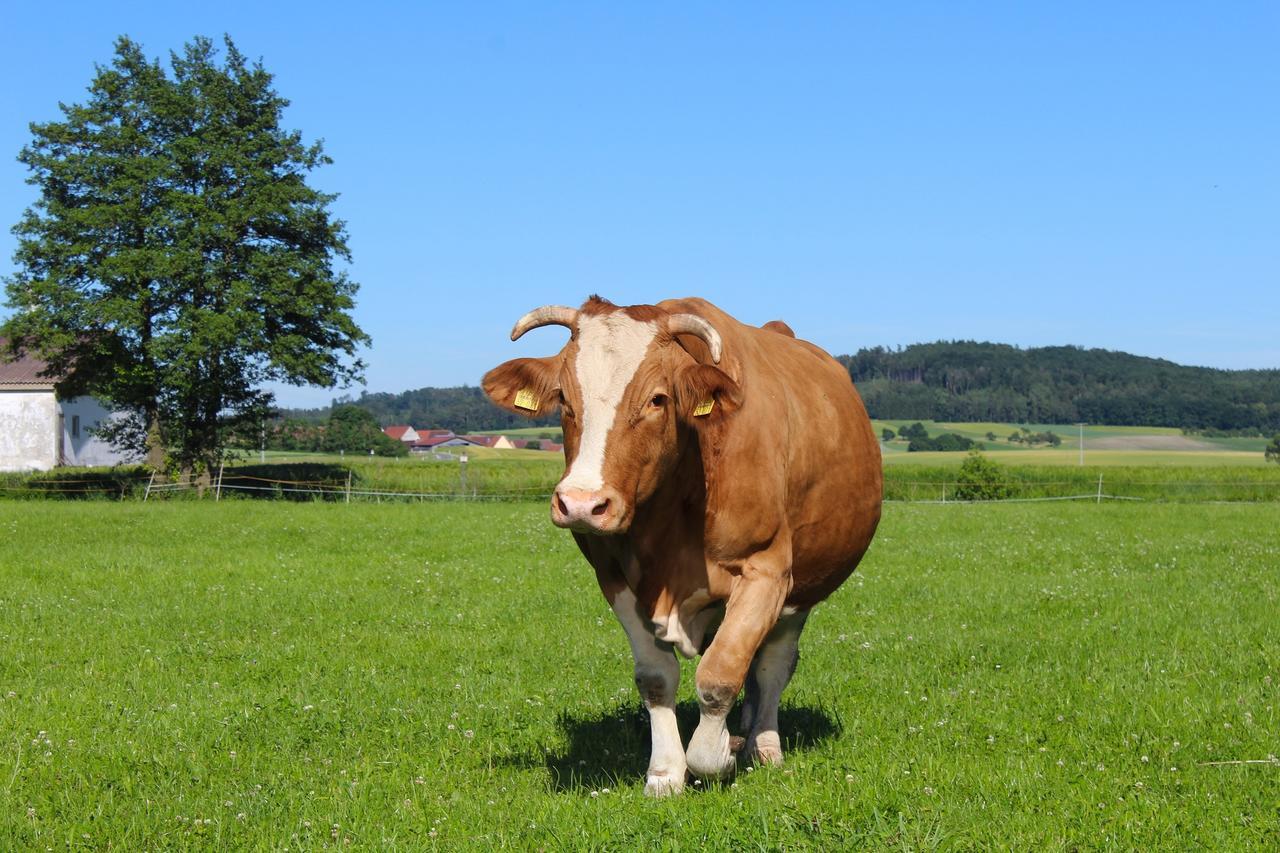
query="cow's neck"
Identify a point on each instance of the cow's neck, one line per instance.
(675, 512)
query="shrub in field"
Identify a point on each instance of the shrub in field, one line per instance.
(916, 430)
(1272, 453)
(116, 483)
(950, 441)
(980, 479)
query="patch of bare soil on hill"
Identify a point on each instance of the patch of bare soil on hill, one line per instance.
(1148, 442)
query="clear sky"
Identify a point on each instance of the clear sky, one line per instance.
(1099, 174)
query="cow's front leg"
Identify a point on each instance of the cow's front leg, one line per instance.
(657, 677)
(750, 613)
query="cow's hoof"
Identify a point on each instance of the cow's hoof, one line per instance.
(736, 742)
(709, 756)
(766, 748)
(659, 785)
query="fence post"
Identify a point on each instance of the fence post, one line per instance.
(147, 493)
(1099, 487)
(217, 490)
(348, 485)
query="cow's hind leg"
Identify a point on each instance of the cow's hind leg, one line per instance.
(770, 672)
(657, 677)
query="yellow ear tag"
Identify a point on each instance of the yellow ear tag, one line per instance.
(527, 400)
(704, 408)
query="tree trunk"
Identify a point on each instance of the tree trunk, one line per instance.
(155, 444)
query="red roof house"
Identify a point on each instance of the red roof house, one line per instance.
(406, 434)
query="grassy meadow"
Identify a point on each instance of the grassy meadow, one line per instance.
(274, 675)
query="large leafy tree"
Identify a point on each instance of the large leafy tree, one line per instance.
(176, 258)
(355, 430)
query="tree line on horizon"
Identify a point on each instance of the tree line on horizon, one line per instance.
(463, 409)
(959, 381)
(969, 381)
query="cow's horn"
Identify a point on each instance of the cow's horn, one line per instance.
(692, 324)
(547, 315)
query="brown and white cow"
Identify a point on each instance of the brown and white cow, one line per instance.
(722, 479)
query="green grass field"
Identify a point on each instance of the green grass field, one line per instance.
(270, 675)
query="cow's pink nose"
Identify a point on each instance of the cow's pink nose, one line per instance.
(585, 511)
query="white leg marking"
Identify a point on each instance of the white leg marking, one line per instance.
(770, 672)
(611, 348)
(657, 677)
(710, 755)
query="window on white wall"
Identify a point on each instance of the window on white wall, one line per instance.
(75, 426)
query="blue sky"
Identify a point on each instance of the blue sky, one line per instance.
(1106, 175)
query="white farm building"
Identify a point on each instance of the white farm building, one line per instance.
(39, 430)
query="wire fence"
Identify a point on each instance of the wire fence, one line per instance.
(349, 485)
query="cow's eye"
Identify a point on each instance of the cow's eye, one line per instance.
(658, 401)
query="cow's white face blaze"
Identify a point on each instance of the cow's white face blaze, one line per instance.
(620, 433)
(625, 388)
(611, 349)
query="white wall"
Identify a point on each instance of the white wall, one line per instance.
(85, 448)
(28, 430)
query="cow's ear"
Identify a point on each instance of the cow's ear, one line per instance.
(526, 386)
(706, 394)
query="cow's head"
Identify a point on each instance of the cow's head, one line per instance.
(630, 384)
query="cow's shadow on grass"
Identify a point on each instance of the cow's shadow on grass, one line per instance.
(611, 748)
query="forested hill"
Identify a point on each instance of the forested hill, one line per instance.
(958, 381)
(968, 381)
(462, 410)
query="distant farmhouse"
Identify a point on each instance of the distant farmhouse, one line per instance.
(430, 440)
(39, 430)
(407, 434)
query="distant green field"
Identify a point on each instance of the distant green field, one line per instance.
(1071, 457)
(1103, 445)
(446, 676)
(1249, 445)
(527, 432)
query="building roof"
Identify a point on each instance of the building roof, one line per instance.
(433, 440)
(397, 432)
(25, 371)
